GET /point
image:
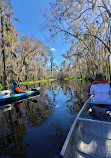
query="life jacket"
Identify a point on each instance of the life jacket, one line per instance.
(16, 89)
(97, 82)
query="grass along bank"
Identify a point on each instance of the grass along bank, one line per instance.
(29, 83)
(38, 81)
(72, 78)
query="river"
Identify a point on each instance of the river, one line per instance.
(37, 127)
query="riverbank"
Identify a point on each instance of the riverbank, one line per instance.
(38, 81)
(72, 78)
(30, 82)
(41, 81)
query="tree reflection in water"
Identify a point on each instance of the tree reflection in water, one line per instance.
(49, 116)
(12, 134)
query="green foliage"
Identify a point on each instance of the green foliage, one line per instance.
(1, 86)
(108, 78)
(38, 81)
(9, 35)
(75, 78)
(84, 77)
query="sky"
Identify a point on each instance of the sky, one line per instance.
(29, 12)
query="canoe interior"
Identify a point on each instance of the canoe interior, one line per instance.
(88, 137)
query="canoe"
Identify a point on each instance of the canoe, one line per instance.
(88, 137)
(12, 98)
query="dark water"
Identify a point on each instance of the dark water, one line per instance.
(37, 128)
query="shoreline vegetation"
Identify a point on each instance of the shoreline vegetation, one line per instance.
(37, 81)
(30, 82)
(42, 81)
(50, 80)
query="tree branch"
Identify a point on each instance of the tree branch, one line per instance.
(76, 36)
(107, 10)
(29, 53)
(82, 13)
(99, 40)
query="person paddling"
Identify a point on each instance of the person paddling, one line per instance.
(16, 89)
(101, 90)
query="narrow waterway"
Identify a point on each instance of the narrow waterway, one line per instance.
(37, 127)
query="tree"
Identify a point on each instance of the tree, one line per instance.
(83, 21)
(52, 64)
(33, 58)
(8, 35)
(72, 18)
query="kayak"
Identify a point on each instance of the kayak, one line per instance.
(5, 93)
(12, 98)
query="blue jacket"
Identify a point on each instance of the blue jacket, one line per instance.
(16, 89)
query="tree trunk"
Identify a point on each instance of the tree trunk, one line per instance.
(110, 47)
(4, 70)
(51, 69)
(3, 52)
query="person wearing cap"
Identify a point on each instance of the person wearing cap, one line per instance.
(101, 90)
(16, 89)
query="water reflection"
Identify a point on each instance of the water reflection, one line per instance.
(37, 127)
(12, 132)
(17, 107)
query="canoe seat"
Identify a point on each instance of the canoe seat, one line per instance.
(100, 112)
(99, 105)
(99, 109)
(102, 105)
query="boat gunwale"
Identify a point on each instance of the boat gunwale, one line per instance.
(94, 121)
(72, 127)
